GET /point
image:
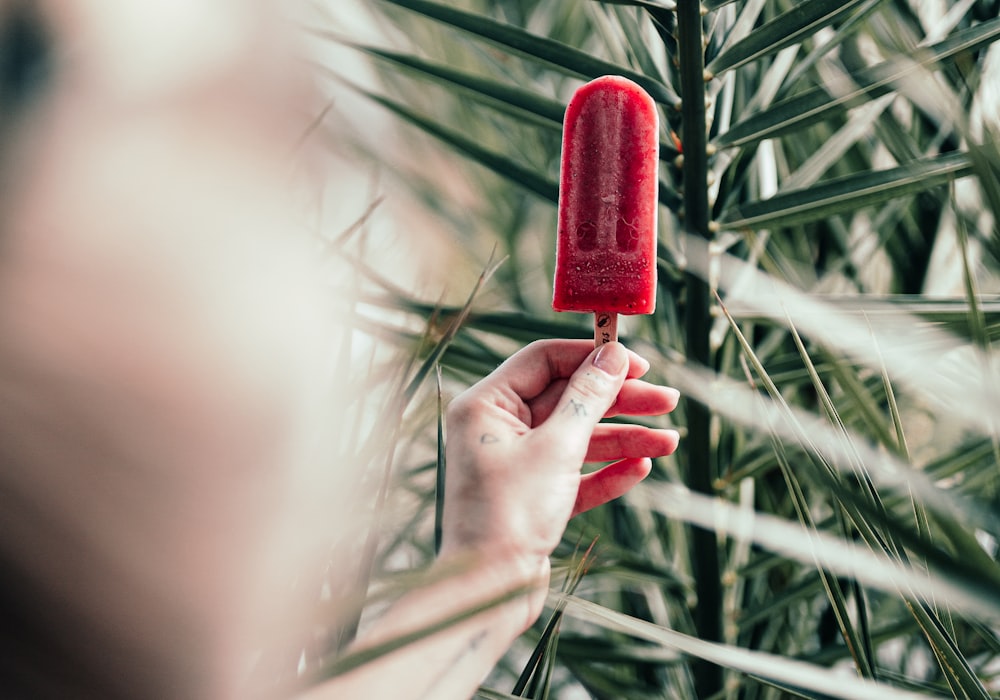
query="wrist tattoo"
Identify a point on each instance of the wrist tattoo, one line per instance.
(476, 641)
(488, 439)
(471, 648)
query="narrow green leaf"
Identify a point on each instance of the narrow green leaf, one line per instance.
(977, 321)
(847, 194)
(858, 643)
(774, 668)
(539, 665)
(499, 163)
(487, 89)
(503, 165)
(817, 104)
(490, 694)
(439, 467)
(861, 399)
(848, 27)
(836, 147)
(521, 41)
(654, 4)
(901, 448)
(784, 30)
(450, 332)
(710, 5)
(790, 595)
(631, 28)
(857, 637)
(986, 159)
(945, 310)
(953, 665)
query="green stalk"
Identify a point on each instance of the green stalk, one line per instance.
(700, 476)
(440, 468)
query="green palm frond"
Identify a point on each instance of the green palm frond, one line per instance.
(829, 527)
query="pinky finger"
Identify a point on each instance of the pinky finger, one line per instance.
(610, 482)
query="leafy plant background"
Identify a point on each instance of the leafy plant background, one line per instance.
(828, 275)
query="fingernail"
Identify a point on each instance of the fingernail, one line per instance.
(611, 358)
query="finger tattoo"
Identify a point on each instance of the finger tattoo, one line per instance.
(578, 408)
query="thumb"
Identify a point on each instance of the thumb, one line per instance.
(591, 391)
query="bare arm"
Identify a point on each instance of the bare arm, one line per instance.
(516, 445)
(157, 391)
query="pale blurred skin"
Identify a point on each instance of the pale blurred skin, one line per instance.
(160, 332)
(163, 332)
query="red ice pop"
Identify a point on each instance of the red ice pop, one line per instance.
(606, 242)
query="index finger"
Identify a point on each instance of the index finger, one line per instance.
(533, 368)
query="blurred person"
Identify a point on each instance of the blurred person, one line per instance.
(165, 398)
(161, 334)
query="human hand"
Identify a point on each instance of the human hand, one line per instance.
(517, 441)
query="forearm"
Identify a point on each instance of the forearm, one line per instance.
(449, 663)
(516, 443)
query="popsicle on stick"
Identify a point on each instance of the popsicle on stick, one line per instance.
(606, 240)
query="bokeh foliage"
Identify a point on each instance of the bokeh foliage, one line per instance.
(827, 274)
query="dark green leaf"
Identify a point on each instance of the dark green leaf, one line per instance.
(500, 163)
(785, 30)
(847, 194)
(523, 42)
(494, 91)
(654, 4)
(817, 104)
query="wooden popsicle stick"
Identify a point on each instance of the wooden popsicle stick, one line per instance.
(605, 328)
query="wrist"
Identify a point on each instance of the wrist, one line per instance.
(514, 586)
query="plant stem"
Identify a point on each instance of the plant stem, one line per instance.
(705, 546)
